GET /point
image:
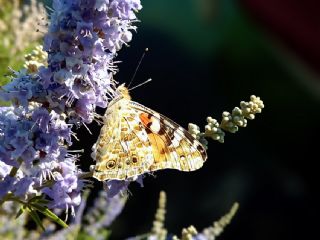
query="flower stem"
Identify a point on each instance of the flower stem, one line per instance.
(13, 171)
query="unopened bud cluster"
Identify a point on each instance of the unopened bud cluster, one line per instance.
(230, 121)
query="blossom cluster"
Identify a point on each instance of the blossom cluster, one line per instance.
(81, 43)
(33, 141)
(35, 133)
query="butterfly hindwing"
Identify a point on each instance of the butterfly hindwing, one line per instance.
(127, 151)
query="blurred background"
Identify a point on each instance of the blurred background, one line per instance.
(205, 57)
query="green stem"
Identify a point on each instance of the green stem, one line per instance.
(13, 171)
(6, 198)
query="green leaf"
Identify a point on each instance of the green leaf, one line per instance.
(36, 218)
(38, 199)
(84, 236)
(21, 210)
(34, 199)
(43, 201)
(103, 233)
(45, 211)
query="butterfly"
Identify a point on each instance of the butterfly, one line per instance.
(135, 140)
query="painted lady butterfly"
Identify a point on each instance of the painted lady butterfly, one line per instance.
(136, 140)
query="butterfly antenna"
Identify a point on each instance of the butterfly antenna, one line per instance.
(149, 80)
(137, 68)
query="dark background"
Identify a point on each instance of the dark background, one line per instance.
(205, 57)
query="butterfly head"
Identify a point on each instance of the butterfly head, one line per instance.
(123, 92)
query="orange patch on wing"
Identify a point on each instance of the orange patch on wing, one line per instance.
(144, 117)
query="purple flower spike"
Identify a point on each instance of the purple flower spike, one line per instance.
(82, 41)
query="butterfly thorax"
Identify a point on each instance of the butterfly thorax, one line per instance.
(122, 93)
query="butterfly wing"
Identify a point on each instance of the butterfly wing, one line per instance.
(123, 149)
(172, 146)
(135, 140)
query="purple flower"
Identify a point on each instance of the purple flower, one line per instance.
(20, 144)
(45, 75)
(19, 90)
(29, 155)
(115, 187)
(23, 187)
(6, 185)
(65, 192)
(42, 117)
(4, 169)
(86, 35)
(63, 76)
(120, 187)
(101, 5)
(125, 8)
(84, 109)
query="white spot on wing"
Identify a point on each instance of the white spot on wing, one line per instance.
(175, 143)
(177, 136)
(155, 125)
